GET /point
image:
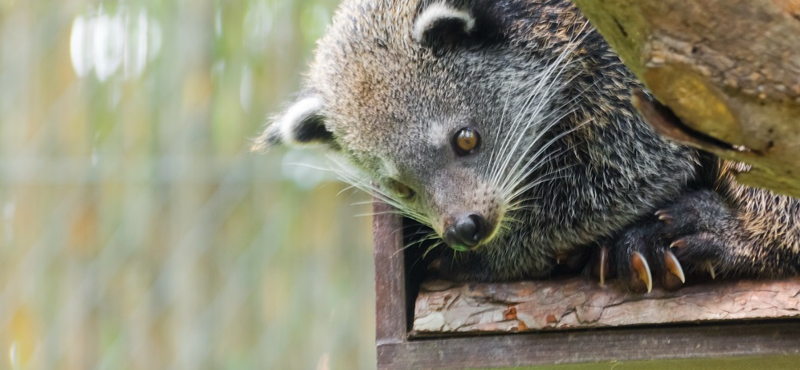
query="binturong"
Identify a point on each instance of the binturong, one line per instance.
(506, 127)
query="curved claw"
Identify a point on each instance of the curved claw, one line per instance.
(673, 266)
(711, 270)
(678, 244)
(603, 262)
(675, 277)
(572, 261)
(664, 216)
(641, 271)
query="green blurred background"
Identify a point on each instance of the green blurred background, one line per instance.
(136, 230)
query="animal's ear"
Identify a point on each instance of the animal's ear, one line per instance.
(443, 23)
(302, 123)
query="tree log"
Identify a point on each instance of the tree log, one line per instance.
(448, 308)
(728, 69)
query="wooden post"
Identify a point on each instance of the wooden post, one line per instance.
(390, 292)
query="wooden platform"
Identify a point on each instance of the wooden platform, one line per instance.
(572, 324)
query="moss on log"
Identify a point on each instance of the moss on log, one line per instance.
(728, 69)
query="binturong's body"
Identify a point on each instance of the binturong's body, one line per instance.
(506, 126)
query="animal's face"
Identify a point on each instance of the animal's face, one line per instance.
(441, 105)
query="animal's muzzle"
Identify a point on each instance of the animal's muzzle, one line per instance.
(465, 232)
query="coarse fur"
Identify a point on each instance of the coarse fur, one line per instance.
(565, 163)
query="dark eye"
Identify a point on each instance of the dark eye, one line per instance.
(466, 141)
(402, 191)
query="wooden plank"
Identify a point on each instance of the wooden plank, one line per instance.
(390, 290)
(447, 308)
(602, 347)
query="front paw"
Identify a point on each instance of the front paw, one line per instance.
(703, 232)
(639, 257)
(691, 238)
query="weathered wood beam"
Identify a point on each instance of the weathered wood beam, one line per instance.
(729, 69)
(448, 308)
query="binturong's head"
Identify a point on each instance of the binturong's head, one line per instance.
(448, 108)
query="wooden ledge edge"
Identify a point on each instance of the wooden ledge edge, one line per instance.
(444, 307)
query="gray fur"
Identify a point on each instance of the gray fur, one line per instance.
(550, 100)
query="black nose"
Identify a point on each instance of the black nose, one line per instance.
(465, 232)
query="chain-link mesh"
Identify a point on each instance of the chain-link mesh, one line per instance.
(136, 230)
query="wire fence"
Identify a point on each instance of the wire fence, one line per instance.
(136, 231)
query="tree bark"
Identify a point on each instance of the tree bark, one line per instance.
(448, 308)
(728, 69)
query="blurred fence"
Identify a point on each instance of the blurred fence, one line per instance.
(136, 231)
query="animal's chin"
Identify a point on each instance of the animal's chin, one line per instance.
(463, 248)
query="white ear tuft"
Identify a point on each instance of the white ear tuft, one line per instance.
(291, 121)
(301, 123)
(438, 14)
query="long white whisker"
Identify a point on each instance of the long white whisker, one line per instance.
(497, 136)
(431, 236)
(522, 174)
(537, 183)
(424, 255)
(546, 84)
(348, 175)
(513, 174)
(542, 78)
(516, 176)
(530, 169)
(514, 130)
